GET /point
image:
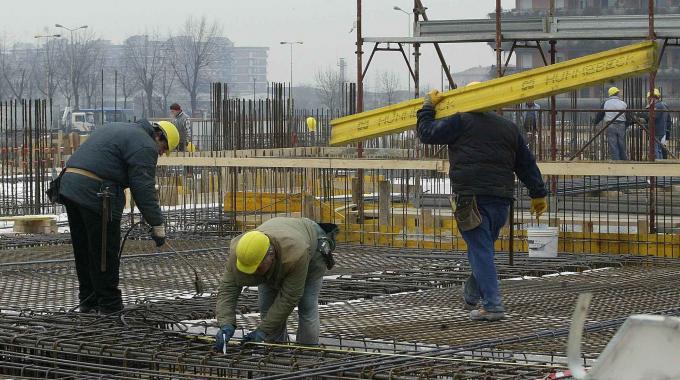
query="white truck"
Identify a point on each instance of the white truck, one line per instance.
(77, 121)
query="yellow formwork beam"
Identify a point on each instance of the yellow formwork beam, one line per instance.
(537, 83)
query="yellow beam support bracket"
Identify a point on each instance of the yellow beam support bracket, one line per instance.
(623, 62)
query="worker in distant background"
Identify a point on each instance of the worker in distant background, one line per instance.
(485, 150)
(614, 110)
(181, 121)
(286, 258)
(530, 122)
(662, 122)
(113, 158)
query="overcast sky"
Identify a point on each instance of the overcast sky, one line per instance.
(323, 26)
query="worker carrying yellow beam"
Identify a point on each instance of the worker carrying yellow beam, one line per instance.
(286, 258)
(485, 150)
(114, 157)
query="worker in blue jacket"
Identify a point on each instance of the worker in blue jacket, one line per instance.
(485, 152)
(115, 157)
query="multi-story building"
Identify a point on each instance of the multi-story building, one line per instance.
(668, 76)
(248, 70)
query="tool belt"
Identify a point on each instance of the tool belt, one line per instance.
(85, 173)
(466, 212)
(326, 243)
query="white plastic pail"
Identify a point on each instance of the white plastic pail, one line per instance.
(542, 241)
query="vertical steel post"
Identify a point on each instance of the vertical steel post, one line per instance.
(360, 108)
(416, 54)
(652, 142)
(499, 46)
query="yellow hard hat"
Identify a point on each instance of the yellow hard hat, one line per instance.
(170, 132)
(613, 91)
(191, 147)
(311, 124)
(472, 83)
(657, 93)
(250, 251)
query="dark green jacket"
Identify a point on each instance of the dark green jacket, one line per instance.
(125, 156)
(297, 261)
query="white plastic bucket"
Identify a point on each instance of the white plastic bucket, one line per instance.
(542, 241)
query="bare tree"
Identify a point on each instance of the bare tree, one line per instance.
(145, 57)
(166, 80)
(128, 86)
(193, 52)
(76, 60)
(388, 83)
(16, 70)
(91, 83)
(45, 71)
(328, 87)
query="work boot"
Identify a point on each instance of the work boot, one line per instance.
(113, 309)
(483, 315)
(87, 309)
(468, 306)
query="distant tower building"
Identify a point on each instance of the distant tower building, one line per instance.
(343, 69)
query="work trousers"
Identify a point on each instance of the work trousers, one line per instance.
(482, 285)
(308, 312)
(97, 289)
(616, 140)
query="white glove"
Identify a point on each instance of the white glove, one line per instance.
(663, 140)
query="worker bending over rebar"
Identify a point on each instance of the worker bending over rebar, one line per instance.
(286, 258)
(114, 157)
(485, 150)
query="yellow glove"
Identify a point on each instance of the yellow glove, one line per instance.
(433, 98)
(538, 206)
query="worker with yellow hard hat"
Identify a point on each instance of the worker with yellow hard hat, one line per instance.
(614, 115)
(286, 258)
(486, 150)
(115, 157)
(662, 123)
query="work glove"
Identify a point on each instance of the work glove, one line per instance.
(538, 206)
(256, 336)
(222, 337)
(158, 235)
(432, 98)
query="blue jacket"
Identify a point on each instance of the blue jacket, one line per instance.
(484, 151)
(662, 119)
(124, 155)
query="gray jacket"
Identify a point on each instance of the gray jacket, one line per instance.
(181, 121)
(611, 108)
(123, 155)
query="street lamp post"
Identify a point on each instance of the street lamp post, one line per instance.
(291, 43)
(408, 14)
(46, 37)
(72, 63)
(254, 89)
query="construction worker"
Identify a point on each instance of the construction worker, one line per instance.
(181, 121)
(530, 122)
(114, 157)
(614, 111)
(662, 121)
(485, 150)
(286, 258)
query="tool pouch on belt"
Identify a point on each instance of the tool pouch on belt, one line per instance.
(466, 213)
(52, 191)
(326, 244)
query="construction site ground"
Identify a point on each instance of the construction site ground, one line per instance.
(387, 313)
